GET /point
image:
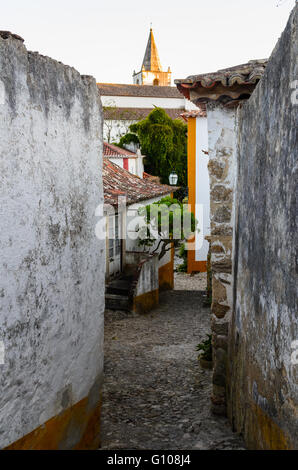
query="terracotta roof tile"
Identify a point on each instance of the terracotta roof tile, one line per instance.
(110, 150)
(117, 182)
(118, 89)
(194, 113)
(228, 86)
(152, 177)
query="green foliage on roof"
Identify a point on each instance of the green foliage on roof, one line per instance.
(128, 139)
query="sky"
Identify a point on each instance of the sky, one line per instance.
(107, 38)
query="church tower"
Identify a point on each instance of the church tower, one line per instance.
(151, 72)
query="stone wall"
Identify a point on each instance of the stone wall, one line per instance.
(221, 136)
(263, 373)
(52, 265)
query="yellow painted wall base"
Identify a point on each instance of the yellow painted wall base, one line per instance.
(76, 428)
(166, 276)
(146, 302)
(263, 433)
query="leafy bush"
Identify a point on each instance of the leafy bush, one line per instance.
(128, 139)
(164, 225)
(182, 268)
(206, 349)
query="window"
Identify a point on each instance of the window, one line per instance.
(114, 235)
(118, 241)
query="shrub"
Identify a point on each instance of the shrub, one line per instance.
(206, 349)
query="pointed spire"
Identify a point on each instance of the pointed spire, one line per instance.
(151, 59)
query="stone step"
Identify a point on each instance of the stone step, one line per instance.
(119, 287)
(118, 302)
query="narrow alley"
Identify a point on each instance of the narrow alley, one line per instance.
(155, 394)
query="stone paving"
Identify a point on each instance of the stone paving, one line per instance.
(156, 396)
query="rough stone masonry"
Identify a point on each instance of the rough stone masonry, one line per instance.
(221, 125)
(52, 265)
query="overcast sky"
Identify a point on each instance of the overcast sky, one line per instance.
(107, 38)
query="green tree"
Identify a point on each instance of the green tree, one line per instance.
(166, 223)
(164, 142)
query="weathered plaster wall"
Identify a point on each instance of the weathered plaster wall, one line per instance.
(146, 285)
(221, 142)
(202, 190)
(52, 265)
(143, 102)
(263, 383)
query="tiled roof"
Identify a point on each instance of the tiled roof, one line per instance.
(110, 150)
(194, 114)
(153, 178)
(135, 114)
(228, 86)
(151, 91)
(119, 182)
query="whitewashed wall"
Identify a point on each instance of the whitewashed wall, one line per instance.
(117, 161)
(52, 265)
(148, 276)
(147, 102)
(114, 129)
(132, 165)
(143, 102)
(202, 190)
(135, 165)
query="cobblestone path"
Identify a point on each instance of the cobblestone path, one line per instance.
(156, 396)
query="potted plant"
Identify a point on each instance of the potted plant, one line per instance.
(205, 350)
